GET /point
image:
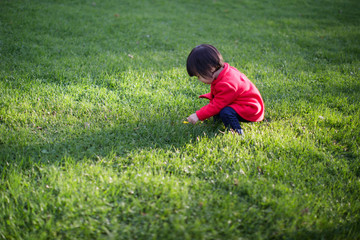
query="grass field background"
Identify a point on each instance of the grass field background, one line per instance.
(93, 96)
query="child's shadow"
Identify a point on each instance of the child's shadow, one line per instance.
(118, 140)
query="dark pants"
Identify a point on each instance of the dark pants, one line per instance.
(230, 119)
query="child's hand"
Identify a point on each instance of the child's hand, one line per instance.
(193, 118)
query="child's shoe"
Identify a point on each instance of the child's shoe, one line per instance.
(240, 131)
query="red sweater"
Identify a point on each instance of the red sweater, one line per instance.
(232, 88)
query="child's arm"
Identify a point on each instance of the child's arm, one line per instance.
(225, 95)
(193, 118)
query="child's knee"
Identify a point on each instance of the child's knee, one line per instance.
(226, 112)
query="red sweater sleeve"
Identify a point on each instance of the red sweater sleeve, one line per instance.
(207, 95)
(226, 93)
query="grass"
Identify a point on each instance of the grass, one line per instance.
(93, 99)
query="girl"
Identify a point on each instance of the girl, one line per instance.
(233, 97)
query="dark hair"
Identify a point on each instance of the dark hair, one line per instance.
(202, 58)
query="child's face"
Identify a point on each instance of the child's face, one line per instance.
(209, 80)
(204, 79)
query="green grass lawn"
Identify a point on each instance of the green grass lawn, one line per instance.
(93, 96)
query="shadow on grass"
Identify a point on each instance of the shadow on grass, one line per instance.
(348, 230)
(118, 140)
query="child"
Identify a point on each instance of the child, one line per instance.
(233, 97)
